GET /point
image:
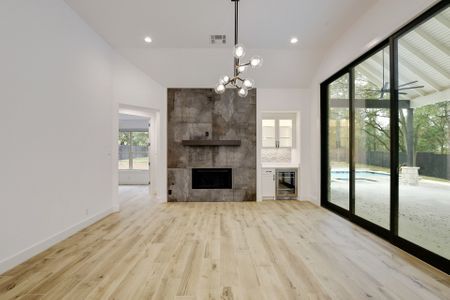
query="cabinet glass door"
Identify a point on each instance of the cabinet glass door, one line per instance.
(285, 133)
(268, 133)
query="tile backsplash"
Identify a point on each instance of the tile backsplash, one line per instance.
(276, 155)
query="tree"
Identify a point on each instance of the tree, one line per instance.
(430, 130)
(133, 138)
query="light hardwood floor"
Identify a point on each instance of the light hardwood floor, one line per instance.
(270, 250)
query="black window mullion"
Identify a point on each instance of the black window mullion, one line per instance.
(352, 141)
(394, 128)
(325, 165)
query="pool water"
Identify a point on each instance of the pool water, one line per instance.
(360, 175)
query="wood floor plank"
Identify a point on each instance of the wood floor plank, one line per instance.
(269, 250)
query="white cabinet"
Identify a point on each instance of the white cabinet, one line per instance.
(278, 130)
(268, 183)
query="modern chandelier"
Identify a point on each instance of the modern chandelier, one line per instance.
(242, 84)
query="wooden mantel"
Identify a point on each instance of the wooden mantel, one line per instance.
(215, 143)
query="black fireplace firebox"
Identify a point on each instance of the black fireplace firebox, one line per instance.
(212, 178)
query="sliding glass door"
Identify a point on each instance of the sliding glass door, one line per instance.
(371, 106)
(386, 138)
(339, 141)
(424, 134)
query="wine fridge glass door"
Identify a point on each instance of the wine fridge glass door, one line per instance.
(286, 184)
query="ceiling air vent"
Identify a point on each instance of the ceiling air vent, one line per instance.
(217, 39)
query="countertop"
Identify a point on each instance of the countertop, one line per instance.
(279, 165)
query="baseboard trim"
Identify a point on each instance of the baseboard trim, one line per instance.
(313, 200)
(41, 246)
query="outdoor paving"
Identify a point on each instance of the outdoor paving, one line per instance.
(424, 210)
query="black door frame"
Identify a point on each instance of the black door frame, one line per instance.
(390, 234)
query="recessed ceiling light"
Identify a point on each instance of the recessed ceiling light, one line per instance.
(294, 40)
(148, 39)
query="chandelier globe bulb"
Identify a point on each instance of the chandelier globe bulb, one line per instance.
(256, 62)
(248, 83)
(220, 88)
(239, 51)
(243, 92)
(224, 80)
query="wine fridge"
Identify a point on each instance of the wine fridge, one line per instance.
(286, 184)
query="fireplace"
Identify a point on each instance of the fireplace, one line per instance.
(211, 146)
(212, 178)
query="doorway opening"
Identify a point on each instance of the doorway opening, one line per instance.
(134, 149)
(137, 154)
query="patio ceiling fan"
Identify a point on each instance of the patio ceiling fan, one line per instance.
(401, 88)
(406, 86)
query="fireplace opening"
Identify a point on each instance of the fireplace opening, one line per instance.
(213, 178)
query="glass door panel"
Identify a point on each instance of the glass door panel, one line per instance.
(133, 150)
(124, 150)
(339, 142)
(372, 139)
(285, 133)
(269, 133)
(424, 135)
(140, 150)
(286, 184)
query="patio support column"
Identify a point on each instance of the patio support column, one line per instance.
(410, 138)
(338, 137)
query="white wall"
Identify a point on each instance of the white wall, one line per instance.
(380, 21)
(58, 168)
(287, 100)
(55, 167)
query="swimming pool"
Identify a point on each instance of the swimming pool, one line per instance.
(359, 175)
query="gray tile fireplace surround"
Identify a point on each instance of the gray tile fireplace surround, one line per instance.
(200, 114)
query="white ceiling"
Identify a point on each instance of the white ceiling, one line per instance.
(424, 58)
(126, 117)
(133, 122)
(181, 54)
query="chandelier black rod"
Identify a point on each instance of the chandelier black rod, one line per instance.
(236, 21)
(236, 33)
